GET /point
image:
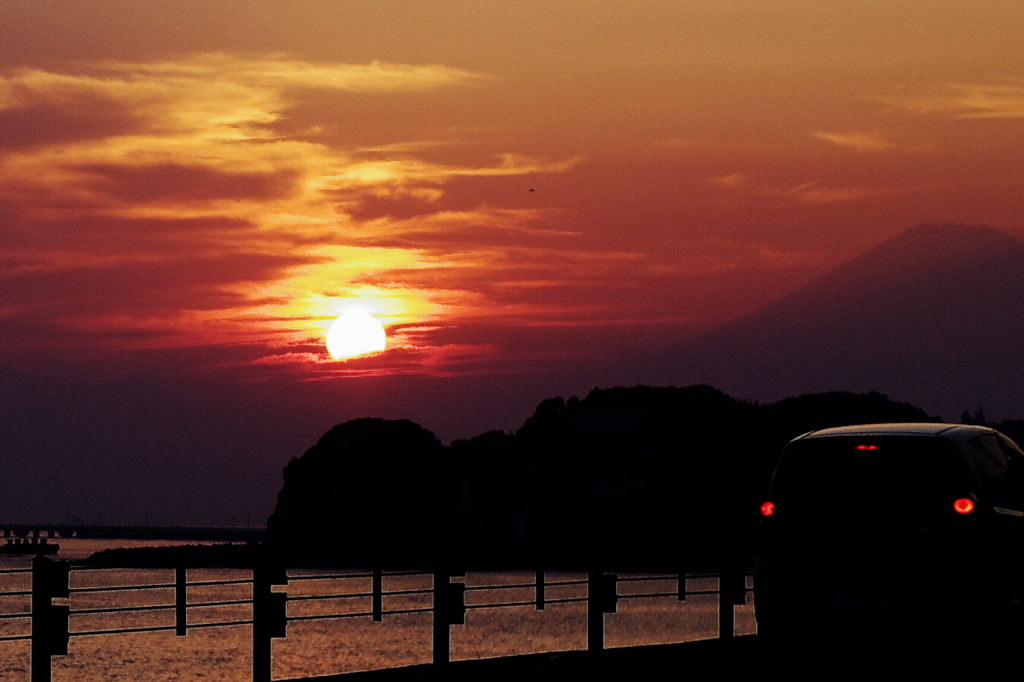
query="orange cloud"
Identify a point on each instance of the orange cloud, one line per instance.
(962, 100)
(161, 205)
(862, 142)
(810, 192)
(732, 180)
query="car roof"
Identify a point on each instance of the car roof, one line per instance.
(948, 431)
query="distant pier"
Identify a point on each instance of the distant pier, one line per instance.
(144, 532)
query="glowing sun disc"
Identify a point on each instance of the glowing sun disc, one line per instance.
(355, 333)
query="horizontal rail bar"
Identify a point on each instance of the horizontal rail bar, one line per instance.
(566, 582)
(238, 581)
(307, 597)
(159, 628)
(331, 576)
(123, 609)
(15, 615)
(567, 600)
(15, 570)
(327, 616)
(474, 588)
(220, 624)
(90, 633)
(397, 611)
(122, 588)
(333, 615)
(153, 607)
(229, 602)
(23, 593)
(15, 638)
(478, 588)
(427, 591)
(532, 602)
(689, 593)
(239, 602)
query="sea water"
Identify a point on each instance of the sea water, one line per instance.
(331, 645)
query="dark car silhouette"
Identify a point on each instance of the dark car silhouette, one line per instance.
(912, 528)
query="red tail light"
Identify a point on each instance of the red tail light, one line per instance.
(767, 509)
(964, 505)
(866, 447)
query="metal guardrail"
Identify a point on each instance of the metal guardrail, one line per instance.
(50, 633)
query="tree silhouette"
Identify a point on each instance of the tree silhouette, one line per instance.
(367, 484)
(637, 467)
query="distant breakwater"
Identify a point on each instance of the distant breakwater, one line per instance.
(125, 532)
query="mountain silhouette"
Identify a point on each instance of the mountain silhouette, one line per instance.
(932, 316)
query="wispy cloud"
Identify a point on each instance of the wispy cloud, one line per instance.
(731, 180)
(210, 97)
(962, 100)
(862, 142)
(281, 70)
(810, 192)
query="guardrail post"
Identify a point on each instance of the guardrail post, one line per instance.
(681, 565)
(449, 609)
(732, 580)
(269, 613)
(449, 599)
(442, 630)
(377, 590)
(602, 596)
(180, 601)
(539, 580)
(49, 621)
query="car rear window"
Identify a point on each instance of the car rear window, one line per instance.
(880, 475)
(1000, 467)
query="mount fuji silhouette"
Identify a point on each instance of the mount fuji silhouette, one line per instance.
(934, 316)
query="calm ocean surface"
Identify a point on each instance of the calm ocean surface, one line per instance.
(321, 647)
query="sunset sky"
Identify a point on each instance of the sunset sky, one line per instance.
(522, 193)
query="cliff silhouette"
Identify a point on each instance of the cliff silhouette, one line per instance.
(640, 468)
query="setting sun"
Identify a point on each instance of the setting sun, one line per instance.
(355, 333)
